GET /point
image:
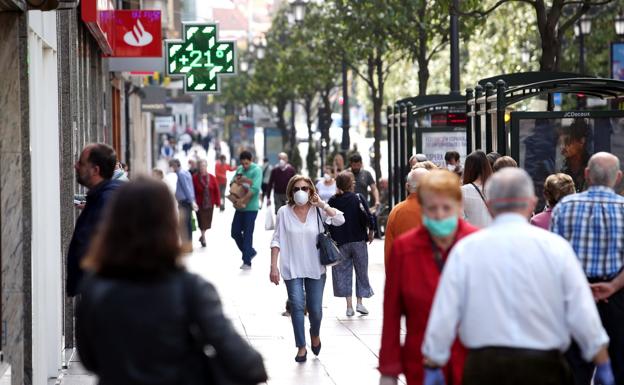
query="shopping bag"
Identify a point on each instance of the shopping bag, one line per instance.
(269, 221)
(193, 221)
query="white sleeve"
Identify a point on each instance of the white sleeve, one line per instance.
(445, 311)
(275, 242)
(581, 313)
(336, 220)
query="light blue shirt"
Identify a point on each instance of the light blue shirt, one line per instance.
(513, 285)
(184, 188)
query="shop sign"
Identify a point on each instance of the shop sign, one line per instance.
(98, 16)
(137, 34)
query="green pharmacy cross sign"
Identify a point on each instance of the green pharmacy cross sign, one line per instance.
(200, 58)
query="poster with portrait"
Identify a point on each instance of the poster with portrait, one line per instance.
(546, 143)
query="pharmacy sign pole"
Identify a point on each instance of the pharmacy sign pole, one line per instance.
(200, 58)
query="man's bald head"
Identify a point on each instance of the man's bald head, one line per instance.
(414, 177)
(603, 169)
(283, 156)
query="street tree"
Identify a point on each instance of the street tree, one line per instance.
(553, 19)
(361, 35)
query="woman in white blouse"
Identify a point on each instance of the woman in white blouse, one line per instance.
(477, 170)
(294, 240)
(326, 187)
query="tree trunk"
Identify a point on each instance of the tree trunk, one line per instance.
(281, 122)
(423, 63)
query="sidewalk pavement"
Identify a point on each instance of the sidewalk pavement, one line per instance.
(350, 344)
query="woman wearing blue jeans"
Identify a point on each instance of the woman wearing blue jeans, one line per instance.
(297, 226)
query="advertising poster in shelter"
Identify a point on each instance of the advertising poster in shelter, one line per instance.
(617, 61)
(436, 144)
(549, 143)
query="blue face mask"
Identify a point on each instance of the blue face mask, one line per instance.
(441, 227)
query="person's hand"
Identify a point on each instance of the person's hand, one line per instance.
(434, 377)
(275, 275)
(80, 206)
(602, 290)
(604, 374)
(374, 208)
(316, 201)
(195, 207)
(388, 380)
(371, 236)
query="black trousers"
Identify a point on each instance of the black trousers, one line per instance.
(612, 316)
(509, 366)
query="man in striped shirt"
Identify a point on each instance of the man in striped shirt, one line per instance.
(593, 223)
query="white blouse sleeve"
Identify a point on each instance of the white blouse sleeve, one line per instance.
(336, 220)
(275, 242)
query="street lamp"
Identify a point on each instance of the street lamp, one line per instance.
(619, 24)
(582, 28)
(261, 49)
(525, 55)
(244, 66)
(299, 9)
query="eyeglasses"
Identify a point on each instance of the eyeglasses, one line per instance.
(304, 188)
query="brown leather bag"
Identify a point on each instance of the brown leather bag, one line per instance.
(237, 191)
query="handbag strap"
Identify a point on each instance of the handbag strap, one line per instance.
(480, 193)
(318, 216)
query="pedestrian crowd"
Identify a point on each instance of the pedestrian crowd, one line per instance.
(491, 291)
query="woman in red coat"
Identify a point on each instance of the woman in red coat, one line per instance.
(413, 271)
(207, 196)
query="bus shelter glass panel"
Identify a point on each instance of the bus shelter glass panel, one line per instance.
(546, 143)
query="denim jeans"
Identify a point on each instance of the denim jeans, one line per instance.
(304, 292)
(185, 210)
(242, 232)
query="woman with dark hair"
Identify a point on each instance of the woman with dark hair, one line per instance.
(477, 170)
(297, 227)
(351, 238)
(207, 195)
(142, 318)
(575, 142)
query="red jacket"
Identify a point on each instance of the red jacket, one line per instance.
(411, 280)
(213, 187)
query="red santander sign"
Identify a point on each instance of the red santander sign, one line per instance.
(137, 34)
(123, 33)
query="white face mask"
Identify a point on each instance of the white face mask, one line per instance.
(450, 167)
(327, 177)
(301, 198)
(282, 163)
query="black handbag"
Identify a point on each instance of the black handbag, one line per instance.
(329, 253)
(213, 370)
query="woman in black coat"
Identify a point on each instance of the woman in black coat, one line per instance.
(351, 238)
(142, 318)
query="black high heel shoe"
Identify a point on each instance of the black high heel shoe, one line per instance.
(316, 349)
(303, 358)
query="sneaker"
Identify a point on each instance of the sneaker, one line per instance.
(245, 266)
(361, 309)
(350, 312)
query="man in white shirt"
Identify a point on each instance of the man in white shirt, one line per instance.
(515, 294)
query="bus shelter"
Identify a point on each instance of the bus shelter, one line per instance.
(432, 125)
(546, 141)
